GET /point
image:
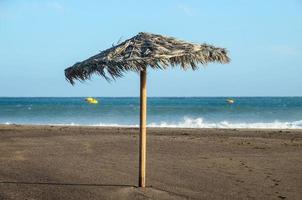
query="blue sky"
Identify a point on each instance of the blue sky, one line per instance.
(39, 39)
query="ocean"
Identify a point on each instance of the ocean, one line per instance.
(186, 112)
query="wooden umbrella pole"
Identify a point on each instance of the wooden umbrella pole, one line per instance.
(142, 138)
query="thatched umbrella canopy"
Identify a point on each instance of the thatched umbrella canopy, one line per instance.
(142, 50)
(136, 54)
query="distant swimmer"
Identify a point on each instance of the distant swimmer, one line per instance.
(230, 101)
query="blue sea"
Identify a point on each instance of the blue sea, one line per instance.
(191, 112)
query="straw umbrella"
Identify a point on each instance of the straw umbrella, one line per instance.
(137, 54)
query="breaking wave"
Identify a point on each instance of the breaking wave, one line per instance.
(198, 123)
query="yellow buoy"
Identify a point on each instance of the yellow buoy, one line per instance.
(91, 100)
(230, 101)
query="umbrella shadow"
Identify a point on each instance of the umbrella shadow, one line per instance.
(97, 185)
(66, 184)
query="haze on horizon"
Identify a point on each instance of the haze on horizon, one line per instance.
(39, 39)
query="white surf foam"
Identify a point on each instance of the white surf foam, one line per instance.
(198, 123)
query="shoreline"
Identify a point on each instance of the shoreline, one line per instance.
(156, 131)
(152, 127)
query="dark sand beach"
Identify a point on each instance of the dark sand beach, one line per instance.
(61, 162)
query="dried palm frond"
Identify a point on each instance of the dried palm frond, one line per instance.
(142, 50)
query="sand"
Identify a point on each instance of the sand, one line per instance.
(61, 162)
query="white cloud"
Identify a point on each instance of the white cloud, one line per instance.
(185, 9)
(23, 8)
(55, 6)
(285, 50)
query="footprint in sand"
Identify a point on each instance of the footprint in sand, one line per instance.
(245, 166)
(276, 183)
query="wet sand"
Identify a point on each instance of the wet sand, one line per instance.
(61, 162)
